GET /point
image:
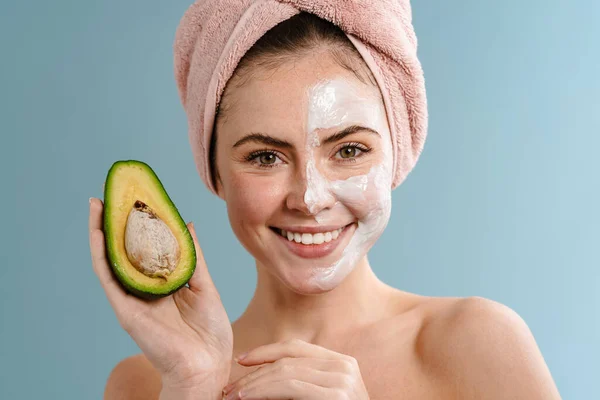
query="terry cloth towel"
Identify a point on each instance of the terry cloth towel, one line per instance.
(213, 35)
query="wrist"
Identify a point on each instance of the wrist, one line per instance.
(209, 387)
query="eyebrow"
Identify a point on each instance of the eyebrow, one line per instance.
(348, 131)
(257, 137)
(264, 139)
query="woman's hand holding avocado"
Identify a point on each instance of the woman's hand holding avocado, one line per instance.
(186, 336)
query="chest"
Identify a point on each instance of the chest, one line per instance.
(395, 372)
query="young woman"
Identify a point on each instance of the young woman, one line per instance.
(302, 154)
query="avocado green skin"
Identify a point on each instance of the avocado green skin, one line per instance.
(130, 285)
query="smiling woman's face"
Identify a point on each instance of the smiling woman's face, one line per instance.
(304, 164)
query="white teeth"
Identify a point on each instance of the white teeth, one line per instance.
(318, 238)
(308, 238)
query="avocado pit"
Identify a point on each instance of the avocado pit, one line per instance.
(150, 245)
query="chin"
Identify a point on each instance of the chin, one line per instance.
(311, 279)
(312, 285)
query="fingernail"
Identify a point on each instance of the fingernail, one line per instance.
(241, 356)
(234, 396)
(91, 200)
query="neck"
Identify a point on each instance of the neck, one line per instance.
(277, 313)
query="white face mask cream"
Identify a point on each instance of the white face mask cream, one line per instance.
(365, 198)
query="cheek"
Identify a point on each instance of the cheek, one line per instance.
(366, 194)
(366, 198)
(365, 204)
(252, 199)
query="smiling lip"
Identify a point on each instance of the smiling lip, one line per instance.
(313, 250)
(310, 229)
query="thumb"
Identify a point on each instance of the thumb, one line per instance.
(200, 280)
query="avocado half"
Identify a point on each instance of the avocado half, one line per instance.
(148, 245)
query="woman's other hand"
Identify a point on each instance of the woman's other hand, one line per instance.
(298, 370)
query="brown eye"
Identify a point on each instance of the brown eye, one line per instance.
(348, 152)
(264, 159)
(267, 158)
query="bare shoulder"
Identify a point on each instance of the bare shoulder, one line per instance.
(482, 349)
(133, 378)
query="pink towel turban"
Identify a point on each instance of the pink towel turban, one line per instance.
(214, 35)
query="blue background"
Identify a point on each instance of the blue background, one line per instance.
(502, 204)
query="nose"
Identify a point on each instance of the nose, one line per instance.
(310, 192)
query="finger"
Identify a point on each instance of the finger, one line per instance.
(285, 389)
(321, 372)
(291, 348)
(118, 298)
(288, 363)
(95, 219)
(200, 280)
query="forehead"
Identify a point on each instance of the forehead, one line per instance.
(289, 94)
